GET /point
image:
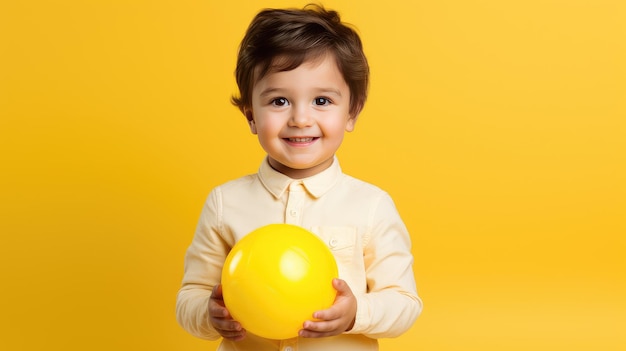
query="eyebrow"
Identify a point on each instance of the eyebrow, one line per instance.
(271, 91)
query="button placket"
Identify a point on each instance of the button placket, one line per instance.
(289, 345)
(295, 199)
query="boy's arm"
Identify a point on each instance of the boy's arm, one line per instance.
(203, 267)
(391, 305)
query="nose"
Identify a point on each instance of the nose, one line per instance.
(300, 117)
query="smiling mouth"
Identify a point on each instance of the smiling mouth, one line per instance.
(300, 140)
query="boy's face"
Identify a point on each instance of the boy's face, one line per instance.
(300, 116)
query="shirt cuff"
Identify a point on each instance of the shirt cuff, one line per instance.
(362, 318)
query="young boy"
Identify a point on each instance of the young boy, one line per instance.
(303, 81)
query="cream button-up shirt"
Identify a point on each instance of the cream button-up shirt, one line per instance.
(359, 223)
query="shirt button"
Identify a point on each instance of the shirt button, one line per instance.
(333, 242)
(293, 213)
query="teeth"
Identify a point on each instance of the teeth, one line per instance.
(301, 140)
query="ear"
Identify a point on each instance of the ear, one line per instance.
(351, 122)
(252, 126)
(250, 118)
(353, 117)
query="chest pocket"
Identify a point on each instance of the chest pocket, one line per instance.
(342, 242)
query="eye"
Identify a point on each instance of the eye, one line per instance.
(321, 101)
(279, 102)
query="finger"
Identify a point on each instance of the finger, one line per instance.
(217, 292)
(232, 335)
(227, 328)
(336, 311)
(321, 327)
(318, 329)
(218, 313)
(237, 337)
(330, 314)
(217, 309)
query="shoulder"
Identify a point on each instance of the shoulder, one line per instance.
(361, 195)
(357, 186)
(233, 188)
(237, 183)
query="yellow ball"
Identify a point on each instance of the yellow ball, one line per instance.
(275, 278)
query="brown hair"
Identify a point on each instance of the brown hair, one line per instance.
(282, 39)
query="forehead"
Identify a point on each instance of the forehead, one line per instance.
(286, 63)
(318, 69)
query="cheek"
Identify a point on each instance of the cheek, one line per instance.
(336, 129)
(265, 125)
(267, 131)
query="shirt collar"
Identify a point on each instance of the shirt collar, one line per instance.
(277, 183)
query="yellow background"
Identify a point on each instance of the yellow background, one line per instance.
(499, 128)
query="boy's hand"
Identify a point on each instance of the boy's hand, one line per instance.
(336, 319)
(220, 317)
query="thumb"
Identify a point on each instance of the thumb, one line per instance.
(217, 292)
(341, 286)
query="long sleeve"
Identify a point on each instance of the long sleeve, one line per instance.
(203, 266)
(391, 304)
(357, 221)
